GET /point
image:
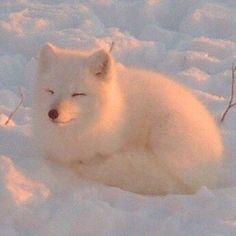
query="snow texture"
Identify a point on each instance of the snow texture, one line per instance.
(193, 41)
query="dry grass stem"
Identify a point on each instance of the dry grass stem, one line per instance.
(231, 100)
(17, 107)
(112, 46)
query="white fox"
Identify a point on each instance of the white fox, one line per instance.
(133, 129)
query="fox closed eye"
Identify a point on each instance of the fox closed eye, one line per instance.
(78, 94)
(49, 91)
(99, 73)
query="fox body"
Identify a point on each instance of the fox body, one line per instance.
(133, 129)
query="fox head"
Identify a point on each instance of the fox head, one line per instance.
(71, 86)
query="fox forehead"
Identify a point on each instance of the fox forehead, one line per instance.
(62, 68)
(64, 83)
(69, 75)
(67, 68)
(70, 66)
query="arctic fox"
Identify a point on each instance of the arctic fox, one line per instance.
(129, 128)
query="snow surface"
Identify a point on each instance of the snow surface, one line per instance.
(192, 40)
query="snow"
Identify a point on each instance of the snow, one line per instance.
(192, 41)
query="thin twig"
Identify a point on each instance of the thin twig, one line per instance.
(112, 46)
(17, 107)
(231, 103)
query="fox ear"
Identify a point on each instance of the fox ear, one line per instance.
(100, 63)
(46, 57)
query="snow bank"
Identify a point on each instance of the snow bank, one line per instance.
(211, 20)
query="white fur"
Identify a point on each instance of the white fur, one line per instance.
(134, 129)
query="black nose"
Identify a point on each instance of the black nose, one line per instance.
(53, 114)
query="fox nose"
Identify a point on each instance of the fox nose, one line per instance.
(53, 114)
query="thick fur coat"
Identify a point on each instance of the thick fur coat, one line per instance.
(129, 128)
